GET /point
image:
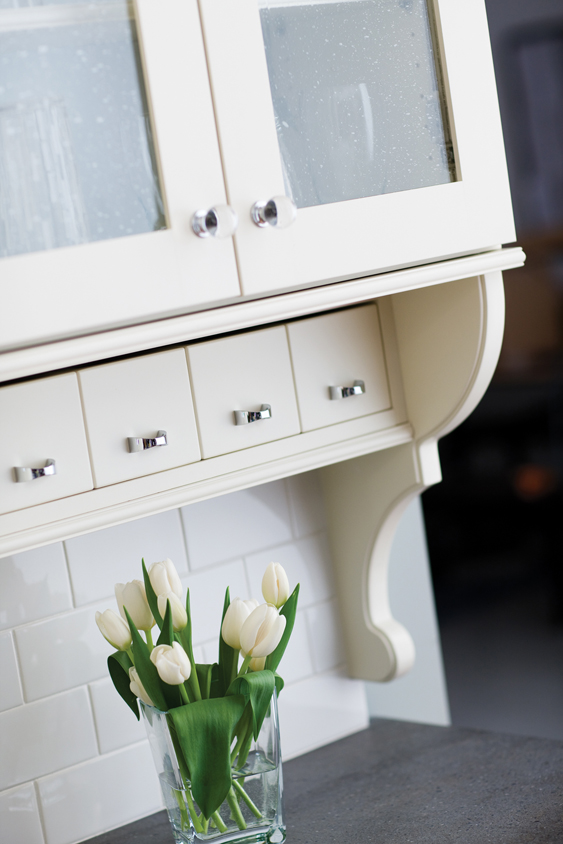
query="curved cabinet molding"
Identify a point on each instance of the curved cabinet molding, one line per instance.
(449, 339)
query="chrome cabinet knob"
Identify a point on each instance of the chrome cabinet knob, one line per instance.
(245, 417)
(24, 474)
(220, 221)
(279, 212)
(143, 443)
(345, 392)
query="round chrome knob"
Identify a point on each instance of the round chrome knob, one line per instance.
(220, 221)
(279, 212)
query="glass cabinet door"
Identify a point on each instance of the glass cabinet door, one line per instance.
(377, 118)
(107, 148)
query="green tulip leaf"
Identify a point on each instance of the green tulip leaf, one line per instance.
(167, 632)
(184, 637)
(215, 688)
(146, 669)
(205, 676)
(118, 667)
(205, 731)
(280, 683)
(257, 687)
(288, 610)
(228, 657)
(151, 595)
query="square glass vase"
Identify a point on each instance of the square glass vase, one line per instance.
(253, 810)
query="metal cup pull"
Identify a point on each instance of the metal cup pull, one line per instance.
(345, 392)
(24, 474)
(245, 417)
(278, 212)
(143, 443)
(218, 222)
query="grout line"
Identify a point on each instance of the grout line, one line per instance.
(69, 575)
(292, 516)
(40, 809)
(94, 719)
(310, 639)
(19, 666)
(184, 533)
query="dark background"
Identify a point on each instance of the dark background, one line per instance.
(495, 523)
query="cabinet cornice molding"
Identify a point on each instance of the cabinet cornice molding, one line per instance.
(25, 362)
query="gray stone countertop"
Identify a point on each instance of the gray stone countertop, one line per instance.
(398, 783)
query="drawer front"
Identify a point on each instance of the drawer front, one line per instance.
(337, 350)
(42, 421)
(136, 399)
(243, 373)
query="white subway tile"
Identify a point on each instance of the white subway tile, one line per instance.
(61, 653)
(99, 795)
(99, 560)
(306, 503)
(10, 690)
(116, 725)
(207, 594)
(33, 584)
(296, 663)
(42, 737)
(210, 650)
(306, 561)
(236, 524)
(325, 636)
(19, 817)
(319, 710)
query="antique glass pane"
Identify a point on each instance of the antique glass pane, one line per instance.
(357, 98)
(77, 160)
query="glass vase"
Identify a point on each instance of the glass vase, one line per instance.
(252, 812)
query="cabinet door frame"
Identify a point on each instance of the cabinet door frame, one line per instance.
(374, 234)
(79, 289)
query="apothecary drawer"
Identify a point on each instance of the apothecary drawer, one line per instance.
(139, 416)
(244, 391)
(43, 450)
(339, 366)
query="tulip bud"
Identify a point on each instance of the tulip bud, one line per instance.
(262, 631)
(114, 629)
(179, 615)
(172, 663)
(257, 664)
(164, 578)
(132, 595)
(275, 585)
(137, 687)
(237, 613)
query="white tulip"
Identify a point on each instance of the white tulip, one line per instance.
(275, 585)
(137, 687)
(172, 663)
(262, 631)
(179, 615)
(114, 629)
(164, 578)
(237, 613)
(257, 664)
(133, 597)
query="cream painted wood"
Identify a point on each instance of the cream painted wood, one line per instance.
(336, 350)
(22, 363)
(128, 280)
(366, 497)
(42, 420)
(357, 237)
(243, 373)
(137, 398)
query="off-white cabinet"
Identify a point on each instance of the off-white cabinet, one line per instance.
(378, 121)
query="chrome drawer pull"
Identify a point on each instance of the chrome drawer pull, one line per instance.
(278, 212)
(245, 417)
(28, 474)
(345, 392)
(142, 443)
(219, 222)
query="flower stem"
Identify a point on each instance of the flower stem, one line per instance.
(244, 665)
(150, 643)
(129, 653)
(235, 809)
(252, 806)
(193, 814)
(183, 693)
(219, 823)
(185, 822)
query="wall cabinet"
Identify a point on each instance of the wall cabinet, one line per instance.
(282, 214)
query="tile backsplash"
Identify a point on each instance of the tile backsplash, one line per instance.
(74, 762)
